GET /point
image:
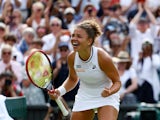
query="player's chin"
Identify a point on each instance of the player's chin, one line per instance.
(75, 48)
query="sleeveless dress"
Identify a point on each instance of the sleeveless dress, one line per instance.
(92, 82)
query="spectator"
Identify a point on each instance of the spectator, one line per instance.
(16, 4)
(69, 19)
(79, 6)
(90, 12)
(57, 33)
(35, 44)
(146, 68)
(115, 16)
(104, 8)
(36, 17)
(140, 28)
(10, 88)
(128, 77)
(111, 40)
(41, 31)
(28, 35)
(50, 39)
(16, 25)
(7, 64)
(157, 15)
(12, 40)
(6, 15)
(3, 110)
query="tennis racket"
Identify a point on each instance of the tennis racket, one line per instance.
(39, 71)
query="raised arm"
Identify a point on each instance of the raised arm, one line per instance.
(138, 15)
(150, 14)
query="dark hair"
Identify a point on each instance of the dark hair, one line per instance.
(128, 65)
(91, 27)
(2, 75)
(11, 37)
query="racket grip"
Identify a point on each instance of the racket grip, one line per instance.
(65, 112)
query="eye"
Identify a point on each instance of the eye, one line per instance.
(79, 36)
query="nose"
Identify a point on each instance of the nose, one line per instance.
(73, 38)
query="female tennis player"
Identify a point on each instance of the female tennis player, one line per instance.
(99, 79)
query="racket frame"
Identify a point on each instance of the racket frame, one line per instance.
(65, 112)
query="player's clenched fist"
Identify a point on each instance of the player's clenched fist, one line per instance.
(106, 92)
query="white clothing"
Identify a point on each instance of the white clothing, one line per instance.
(92, 82)
(18, 54)
(35, 24)
(128, 74)
(16, 67)
(148, 72)
(49, 40)
(137, 38)
(3, 110)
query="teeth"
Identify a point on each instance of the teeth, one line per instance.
(75, 43)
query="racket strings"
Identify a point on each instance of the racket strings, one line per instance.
(40, 69)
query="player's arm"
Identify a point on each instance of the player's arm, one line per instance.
(72, 78)
(69, 83)
(107, 65)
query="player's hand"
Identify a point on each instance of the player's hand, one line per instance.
(106, 92)
(54, 94)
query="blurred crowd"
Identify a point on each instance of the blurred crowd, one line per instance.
(131, 35)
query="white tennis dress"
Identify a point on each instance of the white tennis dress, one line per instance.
(92, 82)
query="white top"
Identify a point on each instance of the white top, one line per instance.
(35, 24)
(148, 72)
(137, 38)
(92, 82)
(128, 74)
(16, 67)
(3, 110)
(49, 41)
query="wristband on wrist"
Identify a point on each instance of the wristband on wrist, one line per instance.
(62, 90)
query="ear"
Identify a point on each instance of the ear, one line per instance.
(90, 41)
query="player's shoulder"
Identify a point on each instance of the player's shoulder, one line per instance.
(71, 56)
(103, 55)
(102, 52)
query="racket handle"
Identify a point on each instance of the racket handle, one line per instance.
(65, 112)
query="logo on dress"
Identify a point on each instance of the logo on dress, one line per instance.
(79, 68)
(94, 66)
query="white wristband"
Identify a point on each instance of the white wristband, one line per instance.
(62, 90)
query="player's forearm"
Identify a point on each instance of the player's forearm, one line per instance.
(70, 84)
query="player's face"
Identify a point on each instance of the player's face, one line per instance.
(80, 40)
